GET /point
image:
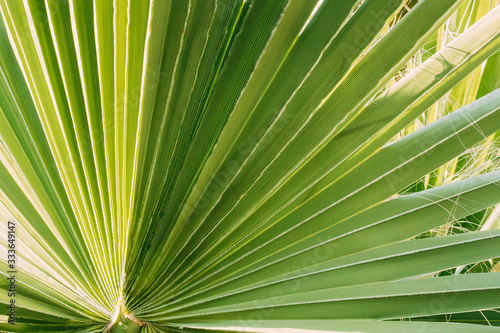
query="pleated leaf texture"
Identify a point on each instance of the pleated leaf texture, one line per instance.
(249, 166)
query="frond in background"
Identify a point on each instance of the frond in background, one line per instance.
(246, 165)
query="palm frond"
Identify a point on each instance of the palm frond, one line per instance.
(249, 166)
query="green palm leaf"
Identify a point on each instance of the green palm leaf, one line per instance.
(249, 166)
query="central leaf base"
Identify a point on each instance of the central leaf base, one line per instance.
(124, 325)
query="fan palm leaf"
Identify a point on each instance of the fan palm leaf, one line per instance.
(249, 166)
